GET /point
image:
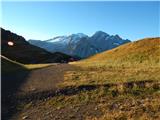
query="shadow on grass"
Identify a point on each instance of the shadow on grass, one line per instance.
(72, 90)
(12, 77)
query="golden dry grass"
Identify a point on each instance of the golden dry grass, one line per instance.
(136, 61)
(110, 75)
(133, 62)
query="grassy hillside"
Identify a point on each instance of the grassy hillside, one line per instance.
(141, 52)
(136, 61)
(122, 83)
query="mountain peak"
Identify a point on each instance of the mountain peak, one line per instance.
(80, 35)
(117, 36)
(100, 32)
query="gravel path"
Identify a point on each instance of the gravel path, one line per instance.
(45, 79)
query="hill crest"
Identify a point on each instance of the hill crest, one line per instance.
(142, 51)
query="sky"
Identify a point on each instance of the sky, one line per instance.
(44, 20)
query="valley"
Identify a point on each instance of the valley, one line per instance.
(120, 84)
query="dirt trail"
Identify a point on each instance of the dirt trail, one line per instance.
(45, 79)
(30, 82)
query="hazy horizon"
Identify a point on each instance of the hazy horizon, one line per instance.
(45, 20)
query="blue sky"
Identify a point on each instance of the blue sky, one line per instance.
(45, 20)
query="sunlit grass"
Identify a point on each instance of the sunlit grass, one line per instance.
(137, 61)
(10, 66)
(106, 75)
(36, 66)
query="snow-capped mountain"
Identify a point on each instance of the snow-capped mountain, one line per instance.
(80, 44)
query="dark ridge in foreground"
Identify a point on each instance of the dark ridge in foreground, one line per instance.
(16, 48)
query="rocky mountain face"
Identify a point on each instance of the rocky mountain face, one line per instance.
(16, 48)
(80, 44)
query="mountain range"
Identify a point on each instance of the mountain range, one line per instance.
(81, 45)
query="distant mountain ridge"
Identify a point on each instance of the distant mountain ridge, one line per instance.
(80, 44)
